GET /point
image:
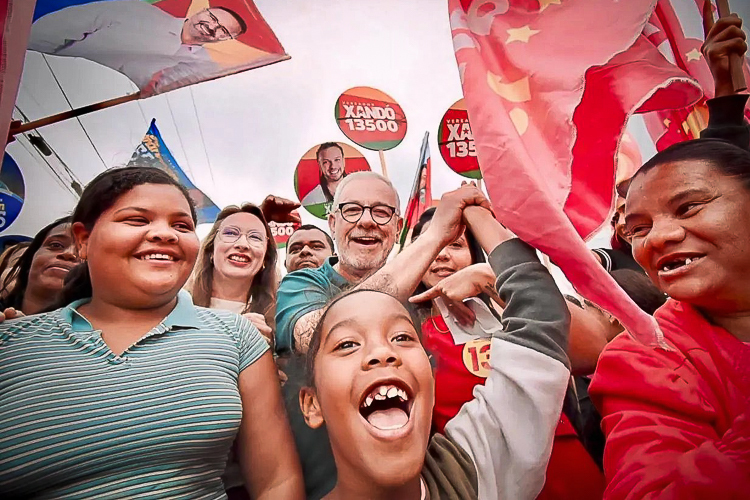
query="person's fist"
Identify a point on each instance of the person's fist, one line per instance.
(448, 219)
(724, 38)
(10, 313)
(280, 210)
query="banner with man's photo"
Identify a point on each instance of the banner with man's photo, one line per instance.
(160, 45)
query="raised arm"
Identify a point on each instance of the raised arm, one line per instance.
(402, 274)
(509, 426)
(726, 111)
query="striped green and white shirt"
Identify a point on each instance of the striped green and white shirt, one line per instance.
(78, 421)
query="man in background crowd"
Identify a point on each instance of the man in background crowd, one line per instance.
(308, 247)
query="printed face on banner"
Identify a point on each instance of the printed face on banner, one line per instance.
(160, 45)
(370, 118)
(12, 191)
(457, 142)
(320, 171)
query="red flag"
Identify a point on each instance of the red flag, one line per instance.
(15, 19)
(549, 86)
(420, 198)
(665, 30)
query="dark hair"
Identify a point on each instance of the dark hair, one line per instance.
(308, 227)
(99, 196)
(261, 293)
(322, 178)
(315, 340)
(617, 242)
(727, 158)
(477, 256)
(17, 280)
(240, 21)
(328, 145)
(640, 288)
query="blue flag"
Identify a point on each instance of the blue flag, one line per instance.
(152, 152)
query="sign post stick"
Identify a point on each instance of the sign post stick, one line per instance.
(382, 163)
(19, 128)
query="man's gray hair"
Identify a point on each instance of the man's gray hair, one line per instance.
(367, 174)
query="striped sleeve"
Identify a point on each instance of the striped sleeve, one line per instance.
(251, 343)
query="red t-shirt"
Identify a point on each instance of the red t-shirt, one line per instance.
(571, 473)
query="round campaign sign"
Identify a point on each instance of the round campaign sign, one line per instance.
(281, 231)
(457, 143)
(319, 172)
(12, 190)
(370, 118)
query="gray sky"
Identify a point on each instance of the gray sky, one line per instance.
(240, 137)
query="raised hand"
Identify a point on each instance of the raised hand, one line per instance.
(260, 323)
(279, 209)
(725, 40)
(448, 220)
(10, 313)
(468, 282)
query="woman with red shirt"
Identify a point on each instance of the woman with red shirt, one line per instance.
(677, 418)
(462, 361)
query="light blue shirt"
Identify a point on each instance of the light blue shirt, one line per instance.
(157, 421)
(302, 292)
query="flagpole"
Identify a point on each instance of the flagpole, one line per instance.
(19, 128)
(382, 163)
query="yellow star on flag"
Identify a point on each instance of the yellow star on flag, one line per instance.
(543, 4)
(520, 34)
(693, 55)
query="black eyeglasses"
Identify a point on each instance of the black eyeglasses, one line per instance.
(219, 27)
(380, 214)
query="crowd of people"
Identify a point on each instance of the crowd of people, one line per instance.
(138, 362)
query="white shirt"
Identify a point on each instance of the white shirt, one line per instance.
(130, 36)
(315, 197)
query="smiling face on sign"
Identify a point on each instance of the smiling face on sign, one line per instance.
(211, 25)
(331, 163)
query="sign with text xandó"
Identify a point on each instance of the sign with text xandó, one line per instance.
(370, 118)
(456, 142)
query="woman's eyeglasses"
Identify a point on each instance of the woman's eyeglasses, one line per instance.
(231, 234)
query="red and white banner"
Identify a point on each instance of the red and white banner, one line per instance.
(160, 45)
(668, 31)
(549, 86)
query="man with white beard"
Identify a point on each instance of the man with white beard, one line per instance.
(365, 223)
